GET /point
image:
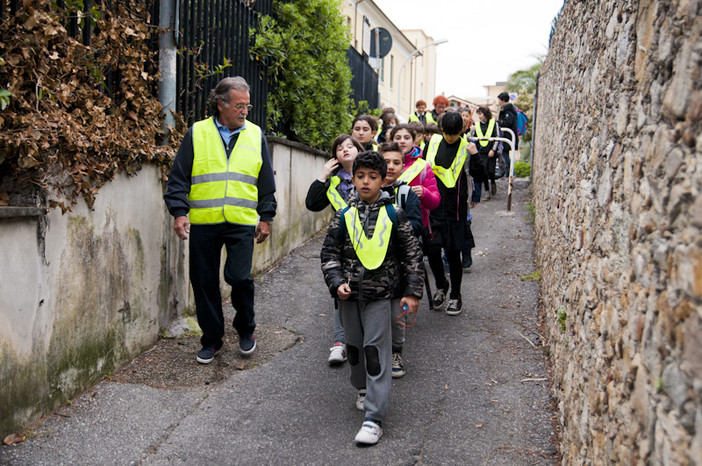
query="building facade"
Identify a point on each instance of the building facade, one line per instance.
(405, 75)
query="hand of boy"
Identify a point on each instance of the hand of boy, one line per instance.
(344, 291)
(412, 304)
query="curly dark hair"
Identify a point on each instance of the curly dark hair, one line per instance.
(372, 160)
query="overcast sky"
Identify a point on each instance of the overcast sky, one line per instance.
(487, 39)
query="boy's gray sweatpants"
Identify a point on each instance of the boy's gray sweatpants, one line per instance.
(398, 330)
(369, 351)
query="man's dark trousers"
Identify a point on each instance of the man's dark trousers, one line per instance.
(206, 243)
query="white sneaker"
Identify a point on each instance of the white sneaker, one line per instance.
(398, 369)
(369, 434)
(337, 354)
(360, 400)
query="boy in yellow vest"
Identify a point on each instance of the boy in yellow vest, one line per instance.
(367, 247)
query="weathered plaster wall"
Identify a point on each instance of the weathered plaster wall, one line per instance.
(85, 292)
(617, 180)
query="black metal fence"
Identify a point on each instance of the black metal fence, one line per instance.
(364, 81)
(212, 33)
(212, 43)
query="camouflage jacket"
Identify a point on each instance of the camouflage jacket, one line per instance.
(403, 259)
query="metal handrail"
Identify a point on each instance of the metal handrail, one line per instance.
(512, 154)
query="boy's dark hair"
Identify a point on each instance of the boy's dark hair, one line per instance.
(402, 126)
(452, 123)
(431, 128)
(367, 118)
(372, 160)
(504, 97)
(343, 137)
(417, 126)
(390, 146)
(485, 111)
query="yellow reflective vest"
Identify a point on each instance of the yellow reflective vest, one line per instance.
(428, 115)
(412, 171)
(370, 251)
(479, 131)
(448, 176)
(224, 189)
(337, 202)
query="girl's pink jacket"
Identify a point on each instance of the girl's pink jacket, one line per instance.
(431, 198)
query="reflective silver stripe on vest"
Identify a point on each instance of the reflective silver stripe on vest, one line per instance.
(239, 202)
(235, 201)
(209, 177)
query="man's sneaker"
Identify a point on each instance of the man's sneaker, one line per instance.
(247, 345)
(361, 399)
(454, 307)
(398, 370)
(439, 300)
(337, 354)
(206, 355)
(487, 196)
(369, 434)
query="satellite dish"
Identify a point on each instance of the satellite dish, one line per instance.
(384, 42)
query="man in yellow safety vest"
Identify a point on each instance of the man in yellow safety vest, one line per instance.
(221, 192)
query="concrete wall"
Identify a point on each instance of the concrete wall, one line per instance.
(618, 212)
(85, 292)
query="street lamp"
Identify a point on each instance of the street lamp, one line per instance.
(412, 55)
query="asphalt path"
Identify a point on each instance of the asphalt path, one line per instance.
(475, 392)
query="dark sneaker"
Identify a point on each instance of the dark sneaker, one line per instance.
(206, 355)
(398, 369)
(454, 307)
(467, 261)
(439, 300)
(247, 344)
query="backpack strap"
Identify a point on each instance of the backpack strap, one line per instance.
(402, 193)
(342, 220)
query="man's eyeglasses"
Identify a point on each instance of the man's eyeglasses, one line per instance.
(243, 106)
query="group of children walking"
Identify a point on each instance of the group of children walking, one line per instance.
(394, 203)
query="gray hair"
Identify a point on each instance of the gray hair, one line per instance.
(221, 91)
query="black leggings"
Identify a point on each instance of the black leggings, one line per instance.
(490, 166)
(436, 264)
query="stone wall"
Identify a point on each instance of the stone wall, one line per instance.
(83, 293)
(618, 216)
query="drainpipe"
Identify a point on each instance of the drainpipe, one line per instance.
(355, 22)
(167, 62)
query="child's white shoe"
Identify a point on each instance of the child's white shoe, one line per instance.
(369, 434)
(361, 399)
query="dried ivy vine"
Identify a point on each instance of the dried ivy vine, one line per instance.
(61, 130)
